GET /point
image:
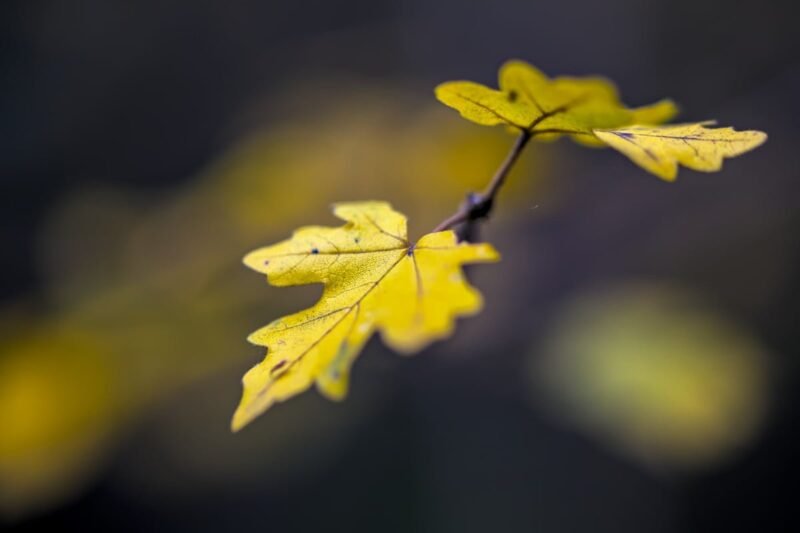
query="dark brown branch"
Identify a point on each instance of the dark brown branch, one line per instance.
(479, 205)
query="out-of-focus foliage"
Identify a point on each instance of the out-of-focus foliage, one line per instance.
(375, 280)
(144, 295)
(649, 370)
(58, 388)
(590, 111)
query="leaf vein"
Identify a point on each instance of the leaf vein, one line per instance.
(324, 334)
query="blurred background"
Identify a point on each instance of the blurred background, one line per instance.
(636, 364)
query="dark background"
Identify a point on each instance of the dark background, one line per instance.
(144, 95)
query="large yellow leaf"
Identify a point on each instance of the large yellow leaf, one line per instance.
(529, 100)
(660, 149)
(374, 279)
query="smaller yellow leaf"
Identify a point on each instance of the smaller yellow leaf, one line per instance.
(659, 149)
(548, 108)
(485, 106)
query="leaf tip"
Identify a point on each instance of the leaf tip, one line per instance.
(332, 388)
(488, 253)
(759, 138)
(255, 261)
(443, 88)
(668, 175)
(238, 422)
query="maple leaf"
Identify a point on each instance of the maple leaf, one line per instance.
(374, 279)
(529, 100)
(660, 149)
(590, 111)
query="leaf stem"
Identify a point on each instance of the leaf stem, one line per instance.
(479, 205)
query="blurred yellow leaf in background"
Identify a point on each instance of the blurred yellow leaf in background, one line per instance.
(57, 406)
(143, 295)
(653, 372)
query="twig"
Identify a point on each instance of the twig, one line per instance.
(479, 205)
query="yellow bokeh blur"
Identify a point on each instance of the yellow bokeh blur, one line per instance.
(58, 406)
(653, 371)
(145, 294)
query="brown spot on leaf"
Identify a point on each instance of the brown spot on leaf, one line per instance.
(282, 363)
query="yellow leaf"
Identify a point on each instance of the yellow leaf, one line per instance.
(528, 100)
(660, 149)
(374, 279)
(590, 111)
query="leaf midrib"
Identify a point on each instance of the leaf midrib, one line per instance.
(335, 324)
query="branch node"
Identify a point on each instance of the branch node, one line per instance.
(477, 206)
